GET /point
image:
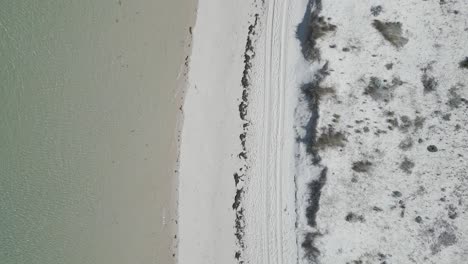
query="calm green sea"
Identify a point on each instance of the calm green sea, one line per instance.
(87, 129)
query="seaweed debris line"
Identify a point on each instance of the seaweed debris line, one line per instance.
(241, 174)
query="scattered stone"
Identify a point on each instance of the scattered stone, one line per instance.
(354, 218)
(418, 219)
(464, 63)
(392, 32)
(389, 66)
(432, 148)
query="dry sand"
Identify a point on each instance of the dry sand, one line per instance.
(341, 144)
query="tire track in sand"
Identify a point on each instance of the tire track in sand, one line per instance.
(273, 125)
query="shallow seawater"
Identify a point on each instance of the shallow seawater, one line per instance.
(87, 129)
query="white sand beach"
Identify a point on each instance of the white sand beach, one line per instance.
(324, 132)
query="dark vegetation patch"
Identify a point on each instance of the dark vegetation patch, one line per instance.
(336, 118)
(419, 122)
(380, 90)
(464, 63)
(392, 32)
(452, 211)
(445, 239)
(308, 244)
(355, 262)
(402, 206)
(407, 165)
(405, 123)
(370, 258)
(380, 131)
(315, 192)
(308, 32)
(377, 209)
(389, 66)
(330, 138)
(313, 27)
(354, 218)
(313, 92)
(396, 194)
(441, 234)
(393, 122)
(376, 10)
(432, 148)
(446, 117)
(455, 100)
(361, 166)
(406, 144)
(429, 82)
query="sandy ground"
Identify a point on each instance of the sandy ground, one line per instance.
(389, 140)
(325, 132)
(210, 138)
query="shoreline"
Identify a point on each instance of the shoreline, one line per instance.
(180, 95)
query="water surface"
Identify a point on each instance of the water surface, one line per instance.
(87, 129)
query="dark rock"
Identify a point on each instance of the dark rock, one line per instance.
(432, 148)
(464, 63)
